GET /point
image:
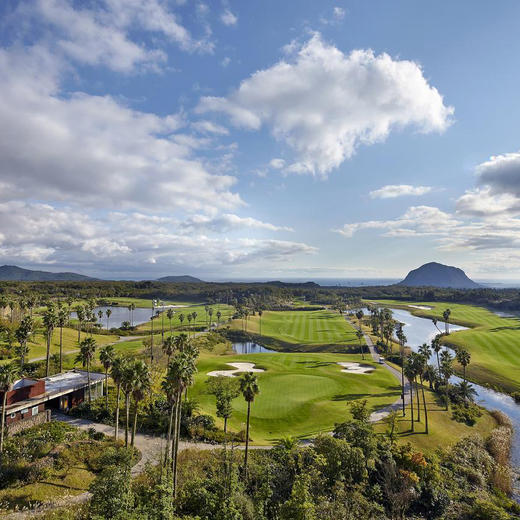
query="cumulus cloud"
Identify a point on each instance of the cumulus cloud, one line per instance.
(324, 104)
(228, 18)
(277, 163)
(98, 33)
(392, 191)
(45, 234)
(339, 13)
(209, 127)
(76, 147)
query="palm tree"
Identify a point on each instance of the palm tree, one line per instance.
(402, 342)
(437, 347)
(100, 316)
(8, 375)
(141, 386)
(169, 388)
(409, 372)
(117, 373)
(190, 317)
(168, 347)
(107, 356)
(219, 315)
(87, 349)
(464, 358)
(210, 312)
(108, 313)
(447, 372)
(23, 333)
(49, 322)
(181, 318)
(194, 314)
(249, 389)
(170, 315)
(446, 316)
(80, 313)
(181, 342)
(421, 365)
(127, 385)
(466, 391)
(62, 319)
(260, 312)
(434, 321)
(181, 375)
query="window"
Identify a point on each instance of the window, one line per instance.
(34, 410)
(13, 415)
(24, 411)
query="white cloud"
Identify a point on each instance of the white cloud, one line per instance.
(277, 164)
(99, 34)
(399, 190)
(323, 104)
(228, 18)
(93, 150)
(339, 13)
(121, 242)
(208, 127)
(225, 61)
(501, 173)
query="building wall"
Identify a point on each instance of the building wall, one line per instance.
(26, 392)
(19, 416)
(20, 425)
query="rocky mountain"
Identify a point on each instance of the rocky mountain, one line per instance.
(15, 273)
(434, 274)
(180, 279)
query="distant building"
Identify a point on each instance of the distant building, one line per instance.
(31, 400)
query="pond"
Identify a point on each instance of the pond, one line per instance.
(119, 314)
(250, 347)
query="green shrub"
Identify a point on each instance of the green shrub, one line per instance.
(466, 413)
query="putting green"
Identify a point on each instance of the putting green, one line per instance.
(300, 394)
(302, 327)
(493, 341)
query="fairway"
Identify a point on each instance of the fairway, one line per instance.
(322, 327)
(493, 341)
(300, 394)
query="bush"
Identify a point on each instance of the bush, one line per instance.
(516, 397)
(466, 413)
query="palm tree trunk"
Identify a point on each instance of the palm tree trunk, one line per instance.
(88, 382)
(134, 427)
(425, 409)
(106, 389)
(177, 437)
(438, 362)
(169, 437)
(2, 428)
(402, 386)
(127, 412)
(79, 331)
(447, 394)
(48, 357)
(411, 405)
(418, 401)
(117, 410)
(247, 438)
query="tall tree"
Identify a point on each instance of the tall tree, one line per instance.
(49, 322)
(359, 335)
(409, 372)
(446, 315)
(81, 315)
(107, 356)
(127, 385)
(23, 333)
(249, 389)
(168, 347)
(87, 350)
(402, 342)
(117, 373)
(141, 386)
(447, 372)
(437, 347)
(260, 313)
(170, 315)
(464, 358)
(61, 321)
(108, 314)
(8, 376)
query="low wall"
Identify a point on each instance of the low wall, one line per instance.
(18, 426)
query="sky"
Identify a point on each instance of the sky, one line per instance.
(260, 139)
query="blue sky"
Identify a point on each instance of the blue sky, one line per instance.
(141, 138)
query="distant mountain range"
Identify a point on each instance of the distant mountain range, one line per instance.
(18, 274)
(434, 274)
(180, 279)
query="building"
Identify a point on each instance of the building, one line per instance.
(31, 401)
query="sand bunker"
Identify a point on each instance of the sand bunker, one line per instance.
(356, 368)
(239, 367)
(422, 307)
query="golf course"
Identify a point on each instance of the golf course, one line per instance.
(301, 394)
(318, 330)
(493, 341)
